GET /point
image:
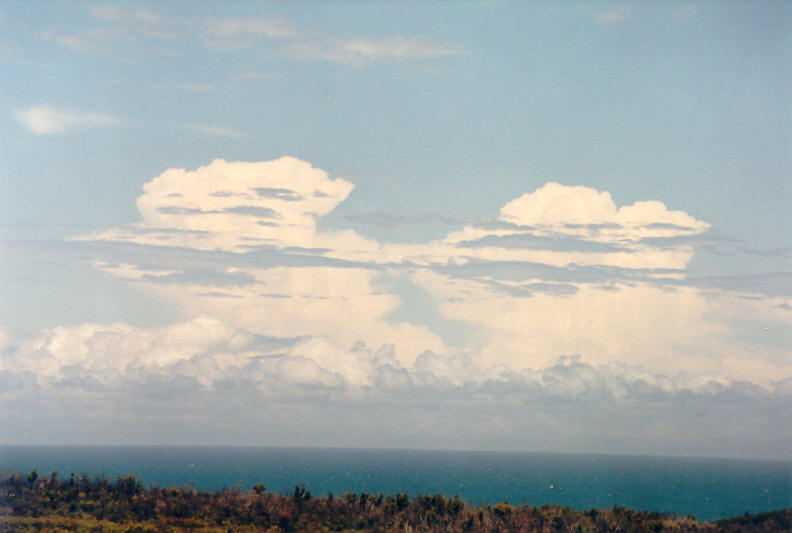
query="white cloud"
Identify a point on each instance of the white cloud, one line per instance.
(685, 13)
(614, 16)
(239, 33)
(398, 47)
(215, 131)
(639, 324)
(564, 271)
(236, 207)
(210, 351)
(555, 205)
(109, 352)
(77, 43)
(43, 120)
(254, 75)
(238, 204)
(118, 29)
(185, 380)
(112, 12)
(186, 86)
(359, 51)
(562, 226)
(128, 30)
(203, 348)
(272, 27)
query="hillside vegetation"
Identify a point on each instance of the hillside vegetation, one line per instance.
(31, 502)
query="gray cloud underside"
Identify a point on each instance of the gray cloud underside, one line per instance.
(777, 284)
(197, 266)
(666, 225)
(529, 289)
(569, 381)
(770, 284)
(168, 232)
(278, 193)
(592, 228)
(763, 334)
(707, 240)
(538, 242)
(775, 252)
(572, 406)
(251, 210)
(149, 257)
(383, 219)
(205, 277)
(524, 270)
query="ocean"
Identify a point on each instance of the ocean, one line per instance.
(705, 488)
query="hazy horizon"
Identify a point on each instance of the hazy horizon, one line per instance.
(386, 449)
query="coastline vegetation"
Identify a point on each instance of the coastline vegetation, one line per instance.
(31, 502)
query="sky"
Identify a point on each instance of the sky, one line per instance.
(538, 226)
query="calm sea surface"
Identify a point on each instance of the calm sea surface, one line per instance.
(706, 488)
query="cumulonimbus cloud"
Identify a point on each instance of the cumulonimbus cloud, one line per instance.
(557, 256)
(276, 308)
(236, 206)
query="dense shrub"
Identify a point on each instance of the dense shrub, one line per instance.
(126, 501)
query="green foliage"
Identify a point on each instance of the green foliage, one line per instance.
(502, 509)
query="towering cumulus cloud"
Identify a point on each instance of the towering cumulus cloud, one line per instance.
(240, 241)
(564, 296)
(234, 206)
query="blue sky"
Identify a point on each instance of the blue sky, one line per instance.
(561, 224)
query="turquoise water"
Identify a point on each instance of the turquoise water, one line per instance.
(706, 488)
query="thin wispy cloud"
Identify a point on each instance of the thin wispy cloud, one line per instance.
(273, 27)
(254, 75)
(685, 13)
(614, 16)
(77, 43)
(214, 131)
(43, 120)
(122, 29)
(398, 47)
(239, 33)
(116, 29)
(360, 51)
(185, 86)
(391, 220)
(115, 13)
